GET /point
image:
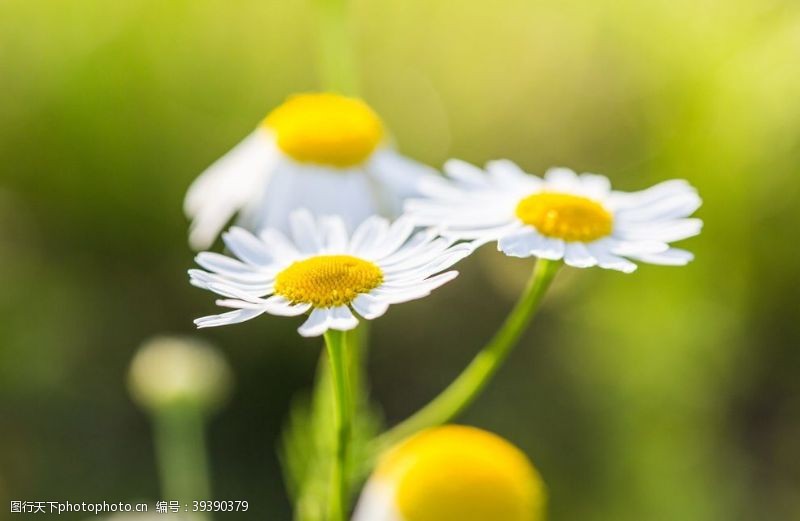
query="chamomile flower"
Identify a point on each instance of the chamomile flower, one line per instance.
(577, 218)
(325, 152)
(324, 271)
(453, 473)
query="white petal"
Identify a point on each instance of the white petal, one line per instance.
(414, 291)
(280, 248)
(606, 259)
(663, 231)
(219, 263)
(304, 231)
(577, 255)
(231, 317)
(368, 235)
(625, 248)
(399, 177)
(464, 172)
(247, 247)
(342, 319)
(651, 195)
(521, 243)
(398, 234)
(369, 307)
(549, 248)
(594, 185)
(671, 257)
(415, 257)
(334, 233)
(561, 179)
(227, 186)
(238, 304)
(418, 244)
(322, 190)
(377, 503)
(483, 235)
(673, 207)
(317, 323)
(441, 262)
(256, 286)
(228, 289)
(507, 174)
(280, 306)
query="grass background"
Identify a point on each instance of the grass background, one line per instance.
(668, 394)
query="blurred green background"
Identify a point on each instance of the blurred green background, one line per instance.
(669, 394)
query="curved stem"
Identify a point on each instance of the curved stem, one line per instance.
(466, 387)
(336, 345)
(336, 61)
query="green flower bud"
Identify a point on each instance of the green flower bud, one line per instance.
(168, 371)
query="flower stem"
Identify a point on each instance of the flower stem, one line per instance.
(466, 387)
(181, 451)
(336, 346)
(336, 60)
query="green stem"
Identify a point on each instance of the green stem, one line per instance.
(466, 387)
(181, 452)
(336, 61)
(336, 345)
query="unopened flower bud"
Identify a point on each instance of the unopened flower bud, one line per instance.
(170, 371)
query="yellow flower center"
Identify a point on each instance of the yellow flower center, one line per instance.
(565, 216)
(325, 129)
(465, 474)
(327, 280)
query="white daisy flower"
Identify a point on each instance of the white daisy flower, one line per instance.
(567, 216)
(324, 152)
(324, 271)
(453, 473)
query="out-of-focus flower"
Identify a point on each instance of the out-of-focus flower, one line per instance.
(177, 370)
(453, 473)
(567, 216)
(325, 271)
(325, 152)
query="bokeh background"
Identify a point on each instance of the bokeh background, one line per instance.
(669, 394)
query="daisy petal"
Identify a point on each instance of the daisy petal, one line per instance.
(370, 233)
(608, 260)
(464, 172)
(278, 305)
(227, 186)
(595, 185)
(369, 307)
(549, 248)
(577, 255)
(560, 178)
(247, 247)
(279, 246)
(304, 231)
(666, 231)
(507, 173)
(317, 323)
(671, 257)
(342, 319)
(334, 233)
(231, 317)
(520, 244)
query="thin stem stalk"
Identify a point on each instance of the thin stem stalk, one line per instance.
(336, 60)
(337, 355)
(181, 452)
